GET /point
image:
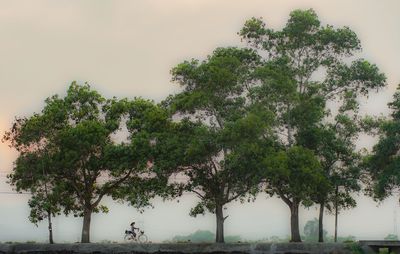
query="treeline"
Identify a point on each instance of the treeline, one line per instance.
(279, 116)
(309, 234)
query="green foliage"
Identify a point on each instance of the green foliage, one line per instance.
(42, 205)
(218, 122)
(383, 162)
(294, 174)
(355, 248)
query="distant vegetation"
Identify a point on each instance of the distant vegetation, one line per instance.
(391, 237)
(257, 119)
(310, 232)
(203, 236)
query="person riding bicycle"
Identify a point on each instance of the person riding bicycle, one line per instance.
(131, 235)
(133, 229)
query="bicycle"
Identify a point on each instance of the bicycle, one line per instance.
(140, 237)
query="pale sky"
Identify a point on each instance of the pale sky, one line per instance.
(126, 49)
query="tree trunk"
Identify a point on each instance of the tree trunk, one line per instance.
(50, 227)
(336, 211)
(294, 222)
(320, 223)
(87, 214)
(219, 236)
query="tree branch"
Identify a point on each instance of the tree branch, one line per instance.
(110, 187)
(284, 198)
(198, 193)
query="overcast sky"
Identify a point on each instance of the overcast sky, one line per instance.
(126, 49)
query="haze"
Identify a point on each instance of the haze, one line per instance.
(126, 49)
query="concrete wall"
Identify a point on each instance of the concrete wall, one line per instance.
(262, 248)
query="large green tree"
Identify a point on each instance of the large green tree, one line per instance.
(305, 76)
(82, 160)
(222, 134)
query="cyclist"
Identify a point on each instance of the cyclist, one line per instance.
(139, 237)
(133, 229)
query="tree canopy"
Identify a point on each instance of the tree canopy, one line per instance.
(71, 144)
(383, 162)
(225, 133)
(305, 70)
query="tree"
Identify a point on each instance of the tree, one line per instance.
(30, 174)
(382, 163)
(335, 144)
(44, 205)
(222, 135)
(82, 162)
(304, 71)
(31, 171)
(294, 174)
(311, 229)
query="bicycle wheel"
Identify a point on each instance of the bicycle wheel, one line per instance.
(142, 238)
(128, 238)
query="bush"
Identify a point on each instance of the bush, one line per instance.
(392, 237)
(203, 236)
